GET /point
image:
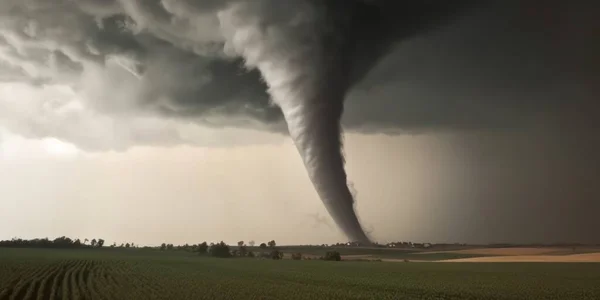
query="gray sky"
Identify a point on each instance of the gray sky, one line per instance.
(482, 131)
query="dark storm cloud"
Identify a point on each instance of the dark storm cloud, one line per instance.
(172, 46)
(243, 95)
(182, 70)
(495, 68)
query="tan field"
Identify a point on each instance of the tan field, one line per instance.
(473, 254)
(507, 254)
(587, 257)
(507, 251)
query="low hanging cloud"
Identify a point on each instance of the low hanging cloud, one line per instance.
(72, 69)
(114, 74)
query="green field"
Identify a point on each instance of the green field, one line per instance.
(148, 274)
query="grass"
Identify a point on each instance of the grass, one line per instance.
(145, 274)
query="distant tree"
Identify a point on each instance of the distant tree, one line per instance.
(85, 241)
(203, 248)
(240, 243)
(243, 251)
(77, 243)
(276, 254)
(297, 256)
(100, 243)
(263, 246)
(93, 243)
(272, 244)
(59, 242)
(333, 255)
(122, 245)
(163, 246)
(219, 250)
(45, 242)
(127, 245)
(251, 243)
(169, 246)
(113, 245)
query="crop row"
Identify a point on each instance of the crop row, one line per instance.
(70, 279)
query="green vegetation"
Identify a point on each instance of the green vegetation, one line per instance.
(221, 250)
(333, 255)
(276, 254)
(62, 242)
(134, 273)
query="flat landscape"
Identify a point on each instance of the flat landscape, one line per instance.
(155, 274)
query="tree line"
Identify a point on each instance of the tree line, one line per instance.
(221, 249)
(62, 242)
(267, 250)
(59, 242)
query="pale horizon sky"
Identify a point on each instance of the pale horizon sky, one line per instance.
(150, 195)
(420, 188)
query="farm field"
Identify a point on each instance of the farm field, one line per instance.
(378, 253)
(149, 274)
(507, 254)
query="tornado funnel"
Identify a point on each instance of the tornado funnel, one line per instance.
(310, 53)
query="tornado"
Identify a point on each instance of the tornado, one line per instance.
(310, 53)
